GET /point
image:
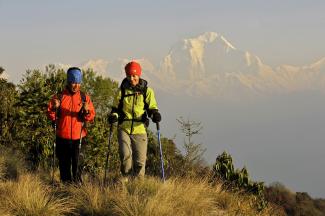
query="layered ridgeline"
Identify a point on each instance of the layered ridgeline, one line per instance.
(210, 65)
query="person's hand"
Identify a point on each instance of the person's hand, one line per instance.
(86, 107)
(56, 103)
(112, 118)
(156, 117)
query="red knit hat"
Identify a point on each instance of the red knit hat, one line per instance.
(133, 68)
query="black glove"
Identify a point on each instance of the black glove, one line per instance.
(156, 117)
(82, 113)
(112, 118)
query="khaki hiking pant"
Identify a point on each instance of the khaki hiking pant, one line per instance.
(133, 153)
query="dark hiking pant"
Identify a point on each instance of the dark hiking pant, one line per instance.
(67, 152)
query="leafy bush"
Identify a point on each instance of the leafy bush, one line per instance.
(34, 131)
(238, 179)
(8, 95)
(277, 193)
(299, 203)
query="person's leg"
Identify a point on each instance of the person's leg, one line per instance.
(76, 168)
(62, 152)
(125, 152)
(139, 148)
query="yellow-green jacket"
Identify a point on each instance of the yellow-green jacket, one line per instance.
(130, 110)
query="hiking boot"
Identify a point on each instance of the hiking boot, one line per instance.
(124, 180)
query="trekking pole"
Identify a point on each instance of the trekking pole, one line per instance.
(54, 145)
(79, 147)
(161, 153)
(108, 149)
(78, 171)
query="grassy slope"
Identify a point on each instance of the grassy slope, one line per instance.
(28, 194)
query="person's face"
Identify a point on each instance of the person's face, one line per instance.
(74, 87)
(134, 79)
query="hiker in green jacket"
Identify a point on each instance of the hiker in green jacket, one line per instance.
(135, 102)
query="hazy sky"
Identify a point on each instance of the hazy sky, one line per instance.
(279, 139)
(36, 32)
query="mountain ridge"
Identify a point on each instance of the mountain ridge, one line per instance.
(209, 64)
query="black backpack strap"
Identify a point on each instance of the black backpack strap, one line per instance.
(59, 96)
(144, 93)
(145, 115)
(83, 97)
(120, 104)
(81, 112)
(119, 110)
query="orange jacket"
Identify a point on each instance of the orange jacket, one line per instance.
(68, 122)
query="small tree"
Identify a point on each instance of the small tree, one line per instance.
(193, 158)
(8, 95)
(173, 159)
(33, 130)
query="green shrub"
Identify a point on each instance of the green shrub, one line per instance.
(238, 179)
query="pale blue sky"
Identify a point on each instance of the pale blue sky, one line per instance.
(36, 32)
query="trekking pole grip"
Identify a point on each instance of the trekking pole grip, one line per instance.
(157, 125)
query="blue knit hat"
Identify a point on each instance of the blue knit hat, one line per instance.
(74, 75)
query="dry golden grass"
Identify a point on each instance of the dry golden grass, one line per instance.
(2, 167)
(29, 196)
(92, 199)
(33, 195)
(174, 197)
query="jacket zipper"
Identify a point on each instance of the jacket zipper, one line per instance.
(71, 118)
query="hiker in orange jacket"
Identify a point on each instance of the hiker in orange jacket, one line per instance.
(69, 110)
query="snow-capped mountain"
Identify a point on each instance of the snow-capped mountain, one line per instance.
(210, 65)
